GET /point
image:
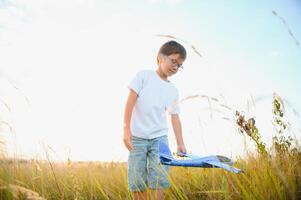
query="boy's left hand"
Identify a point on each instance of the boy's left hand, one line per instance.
(181, 148)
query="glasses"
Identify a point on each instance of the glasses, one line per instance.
(175, 63)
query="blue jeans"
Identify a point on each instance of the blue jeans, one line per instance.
(144, 168)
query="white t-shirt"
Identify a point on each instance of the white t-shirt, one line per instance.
(155, 97)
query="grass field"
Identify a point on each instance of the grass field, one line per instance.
(264, 177)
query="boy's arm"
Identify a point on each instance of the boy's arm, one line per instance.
(127, 134)
(177, 128)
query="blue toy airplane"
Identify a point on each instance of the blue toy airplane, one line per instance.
(190, 160)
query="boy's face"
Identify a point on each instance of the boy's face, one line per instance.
(170, 65)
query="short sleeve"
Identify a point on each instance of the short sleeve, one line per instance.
(137, 82)
(174, 108)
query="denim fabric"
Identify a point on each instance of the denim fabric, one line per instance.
(144, 168)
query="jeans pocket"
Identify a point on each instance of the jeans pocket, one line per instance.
(139, 144)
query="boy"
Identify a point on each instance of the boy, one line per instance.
(151, 95)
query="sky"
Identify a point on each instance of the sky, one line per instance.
(65, 66)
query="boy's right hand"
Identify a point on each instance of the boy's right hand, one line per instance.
(127, 139)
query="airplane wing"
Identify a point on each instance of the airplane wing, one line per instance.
(191, 160)
(188, 155)
(224, 166)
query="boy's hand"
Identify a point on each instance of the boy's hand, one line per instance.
(181, 148)
(127, 139)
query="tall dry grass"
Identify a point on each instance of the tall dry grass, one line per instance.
(264, 177)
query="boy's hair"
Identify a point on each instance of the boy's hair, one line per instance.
(173, 47)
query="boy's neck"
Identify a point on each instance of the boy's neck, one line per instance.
(162, 75)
